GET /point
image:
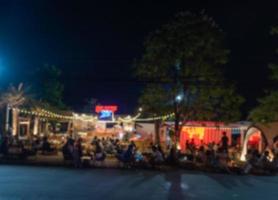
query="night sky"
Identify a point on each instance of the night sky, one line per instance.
(96, 42)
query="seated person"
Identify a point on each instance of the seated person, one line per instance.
(157, 157)
(210, 159)
(138, 157)
(94, 141)
(127, 156)
(265, 161)
(46, 147)
(109, 148)
(118, 149)
(36, 144)
(201, 156)
(275, 163)
(253, 159)
(99, 153)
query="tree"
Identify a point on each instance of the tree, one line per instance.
(48, 87)
(183, 61)
(267, 109)
(12, 98)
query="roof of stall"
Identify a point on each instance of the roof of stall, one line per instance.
(240, 124)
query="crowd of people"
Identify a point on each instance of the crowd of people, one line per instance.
(128, 154)
(213, 156)
(12, 146)
(261, 162)
(222, 157)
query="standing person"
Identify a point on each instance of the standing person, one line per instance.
(172, 157)
(68, 149)
(77, 153)
(224, 142)
(161, 151)
(46, 147)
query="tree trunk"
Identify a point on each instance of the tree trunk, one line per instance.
(177, 125)
(157, 131)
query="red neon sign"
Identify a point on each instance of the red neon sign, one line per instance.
(111, 108)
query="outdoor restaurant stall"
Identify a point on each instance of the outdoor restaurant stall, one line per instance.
(205, 132)
(260, 136)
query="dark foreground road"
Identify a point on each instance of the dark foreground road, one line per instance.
(36, 183)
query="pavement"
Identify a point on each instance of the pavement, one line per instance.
(30, 182)
(56, 160)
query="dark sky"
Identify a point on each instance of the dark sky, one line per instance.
(95, 43)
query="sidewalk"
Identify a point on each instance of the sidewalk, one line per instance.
(56, 160)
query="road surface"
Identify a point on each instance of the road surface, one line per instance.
(24, 182)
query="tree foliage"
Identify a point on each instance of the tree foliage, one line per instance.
(267, 109)
(186, 57)
(191, 41)
(155, 100)
(48, 87)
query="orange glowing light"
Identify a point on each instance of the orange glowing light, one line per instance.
(194, 132)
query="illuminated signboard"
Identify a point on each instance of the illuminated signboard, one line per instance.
(106, 113)
(110, 108)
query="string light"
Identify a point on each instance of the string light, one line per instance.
(48, 114)
(129, 119)
(44, 113)
(164, 117)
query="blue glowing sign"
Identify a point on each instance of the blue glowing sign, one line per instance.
(105, 115)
